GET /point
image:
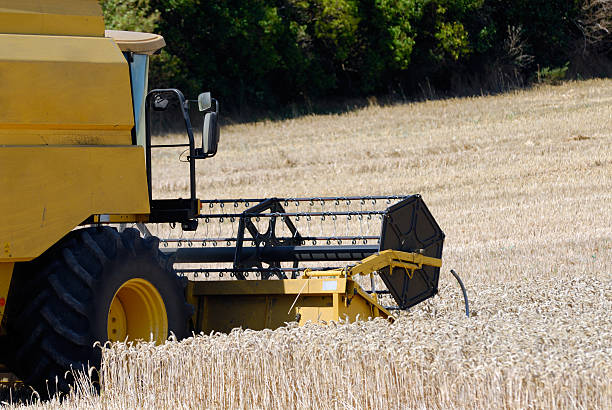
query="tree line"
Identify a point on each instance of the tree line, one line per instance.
(263, 55)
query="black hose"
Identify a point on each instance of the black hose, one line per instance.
(465, 298)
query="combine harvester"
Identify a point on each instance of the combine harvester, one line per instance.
(76, 171)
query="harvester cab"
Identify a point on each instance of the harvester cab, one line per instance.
(76, 176)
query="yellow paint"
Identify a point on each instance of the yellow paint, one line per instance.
(117, 219)
(48, 136)
(116, 323)
(6, 273)
(49, 190)
(392, 259)
(64, 90)
(59, 17)
(137, 311)
(260, 304)
(267, 287)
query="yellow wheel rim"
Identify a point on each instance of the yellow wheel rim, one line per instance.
(137, 311)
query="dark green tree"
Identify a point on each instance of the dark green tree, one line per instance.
(258, 55)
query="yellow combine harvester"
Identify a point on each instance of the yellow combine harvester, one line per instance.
(76, 168)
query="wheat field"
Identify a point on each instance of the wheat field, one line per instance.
(521, 184)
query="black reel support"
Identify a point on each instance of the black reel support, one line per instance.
(409, 226)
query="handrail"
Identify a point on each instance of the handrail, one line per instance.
(191, 158)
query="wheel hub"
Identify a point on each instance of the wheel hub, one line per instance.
(137, 311)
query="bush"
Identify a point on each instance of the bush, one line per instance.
(258, 55)
(135, 15)
(552, 76)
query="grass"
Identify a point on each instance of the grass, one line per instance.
(522, 186)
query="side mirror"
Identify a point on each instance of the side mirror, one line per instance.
(210, 129)
(210, 134)
(204, 101)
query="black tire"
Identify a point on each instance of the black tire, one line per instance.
(59, 303)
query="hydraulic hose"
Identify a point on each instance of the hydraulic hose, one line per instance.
(465, 298)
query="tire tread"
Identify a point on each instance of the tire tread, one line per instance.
(50, 332)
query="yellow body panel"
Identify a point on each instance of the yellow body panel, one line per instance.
(260, 304)
(6, 273)
(58, 17)
(48, 190)
(64, 90)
